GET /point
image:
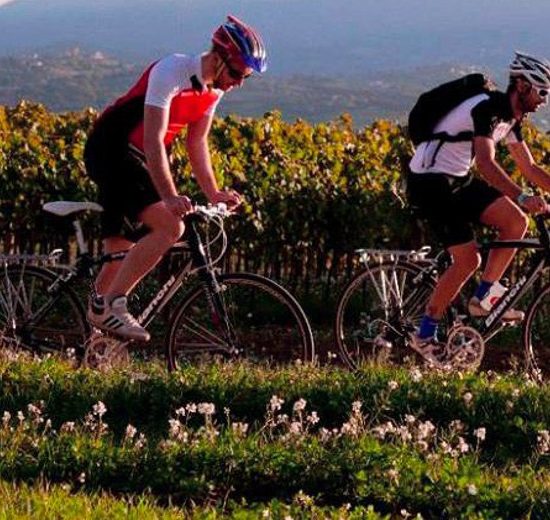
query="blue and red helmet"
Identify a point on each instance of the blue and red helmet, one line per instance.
(240, 43)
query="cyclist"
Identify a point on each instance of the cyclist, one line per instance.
(443, 189)
(127, 155)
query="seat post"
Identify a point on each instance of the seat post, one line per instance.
(82, 247)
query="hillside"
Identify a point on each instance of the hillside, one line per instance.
(76, 78)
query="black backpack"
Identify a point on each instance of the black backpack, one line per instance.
(435, 104)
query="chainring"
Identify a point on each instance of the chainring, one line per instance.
(104, 352)
(465, 348)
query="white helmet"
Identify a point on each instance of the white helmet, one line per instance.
(535, 71)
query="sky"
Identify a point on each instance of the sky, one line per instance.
(317, 37)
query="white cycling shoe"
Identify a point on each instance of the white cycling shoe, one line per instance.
(433, 351)
(477, 311)
(116, 319)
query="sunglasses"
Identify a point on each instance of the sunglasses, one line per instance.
(542, 92)
(236, 74)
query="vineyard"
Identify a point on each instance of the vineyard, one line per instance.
(313, 193)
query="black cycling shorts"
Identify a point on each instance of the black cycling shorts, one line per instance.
(124, 185)
(451, 205)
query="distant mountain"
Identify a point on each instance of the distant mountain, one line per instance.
(76, 79)
(312, 37)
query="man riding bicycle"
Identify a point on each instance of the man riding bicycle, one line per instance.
(127, 156)
(445, 192)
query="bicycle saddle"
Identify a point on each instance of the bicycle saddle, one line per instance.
(62, 208)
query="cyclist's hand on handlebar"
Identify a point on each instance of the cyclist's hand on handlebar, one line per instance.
(229, 197)
(179, 205)
(535, 205)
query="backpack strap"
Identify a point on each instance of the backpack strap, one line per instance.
(444, 137)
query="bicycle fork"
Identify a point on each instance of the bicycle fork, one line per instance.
(213, 291)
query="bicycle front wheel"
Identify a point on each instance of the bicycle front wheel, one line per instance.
(253, 317)
(38, 314)
(377, 311)
(536, 336)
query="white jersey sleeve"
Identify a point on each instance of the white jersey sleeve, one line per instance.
(164, 82)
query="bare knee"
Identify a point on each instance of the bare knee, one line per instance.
(166, 226)
(171, 229)
(519, 225)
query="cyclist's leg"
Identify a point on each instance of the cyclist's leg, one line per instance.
(164, 231)
(511, 223)
(109, 270)
(437, 198)
(126, 191)
(490, 207)
(465, 261)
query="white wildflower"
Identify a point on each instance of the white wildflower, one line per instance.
(206, 408)
(480, 433)
(142, 440)
(543, 441)
(299, 405)
(393, 385)
(467, 398)
(356, 407)
(275, 403)
(312, 418)
(472, 489)
(425, 430)
(393, 474)
(295, 427)
(130, 432)
(463, 446)
(239, 428)
(416, 375)
(422, 445)
(67, 427)
(99, 409)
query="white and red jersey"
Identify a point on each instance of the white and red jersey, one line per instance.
(174, 83)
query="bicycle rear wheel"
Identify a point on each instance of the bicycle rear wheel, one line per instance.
(257, 319)
(37, 314)
(536, 336)
(377, 311)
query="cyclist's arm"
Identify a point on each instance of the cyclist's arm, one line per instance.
(155, 125)
(524, 160)
(491, 171)
(199, 155)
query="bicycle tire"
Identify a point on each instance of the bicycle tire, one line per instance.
(362, 335)
(37, 315)
(268, 323)
(536, 335)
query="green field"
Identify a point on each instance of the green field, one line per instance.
(252, 442)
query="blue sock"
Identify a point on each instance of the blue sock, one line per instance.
(482, 289)
(428, 327)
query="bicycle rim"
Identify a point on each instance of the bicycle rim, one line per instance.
(536, 336)
(37, 318)
(376, 312)
(262, 323)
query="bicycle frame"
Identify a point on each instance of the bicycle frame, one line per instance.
(540, 261)
(197, 264)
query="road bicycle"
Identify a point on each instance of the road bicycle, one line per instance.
(383, 304)
(229, 314)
